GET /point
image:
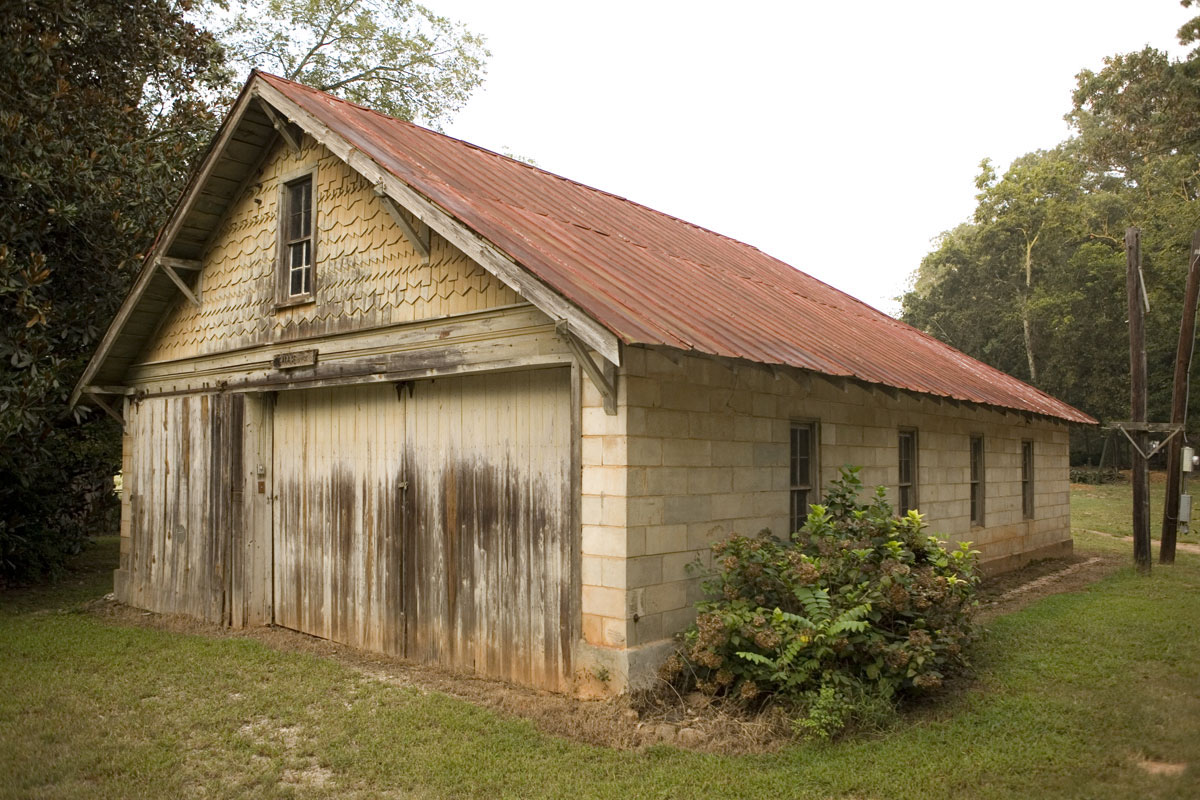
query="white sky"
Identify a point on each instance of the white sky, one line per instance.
(840, 137)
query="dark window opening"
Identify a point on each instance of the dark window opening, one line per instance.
(1027, 478)
(298, 237)
(803, 469)
(908, 471)
(977, 482)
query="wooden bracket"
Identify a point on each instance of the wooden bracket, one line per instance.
(604, 379)
(419, 243)
(280, 124)
(105, 407)
(167, 266)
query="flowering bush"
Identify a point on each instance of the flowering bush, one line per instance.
(859, 608)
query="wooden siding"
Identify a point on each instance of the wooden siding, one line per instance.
(185, 499)
(367, 273)
(472, 564)
(490, 547)
(338, 470)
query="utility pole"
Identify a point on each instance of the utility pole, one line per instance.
(1137, 399)
(1179, 398)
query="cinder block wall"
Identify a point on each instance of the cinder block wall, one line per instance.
(700, 450)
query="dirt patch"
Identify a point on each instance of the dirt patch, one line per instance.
(1182, 547)
(1012, 591)
(1167, 768)
(635, 722)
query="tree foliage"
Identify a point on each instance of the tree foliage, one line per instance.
(103, 105)
(1035, 283)
(395, 56)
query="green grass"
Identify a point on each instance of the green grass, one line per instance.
(1072, 691)
(1107, 507)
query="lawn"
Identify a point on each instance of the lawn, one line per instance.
(1073, 693)
(1106, 507)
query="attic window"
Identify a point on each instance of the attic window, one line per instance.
(297, 243)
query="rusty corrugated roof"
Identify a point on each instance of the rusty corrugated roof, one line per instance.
(653, 279)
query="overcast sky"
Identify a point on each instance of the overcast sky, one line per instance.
(840, 137)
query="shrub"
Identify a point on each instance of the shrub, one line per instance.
(1096, 475)
(857, 610)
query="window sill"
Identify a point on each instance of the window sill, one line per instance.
(292, 302)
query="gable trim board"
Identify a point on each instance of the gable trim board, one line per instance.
(481, 251)
(523, 499)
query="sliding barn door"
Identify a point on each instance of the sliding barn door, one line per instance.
(338, 456)
(432, 520)
(489, 550)
(184, 482)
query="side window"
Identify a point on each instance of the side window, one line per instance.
(1027, 478)
(907, 496)
(803, 471)
(296, 241)
(977, 480)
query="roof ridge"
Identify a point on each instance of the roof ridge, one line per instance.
(518, 162)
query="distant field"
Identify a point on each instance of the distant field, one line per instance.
(1108, 507)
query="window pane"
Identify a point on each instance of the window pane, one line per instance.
(801, 459)
(299, 210)
(799, 510)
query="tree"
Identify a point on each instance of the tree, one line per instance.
(103, 104)
(1034, 284)
(395, 56)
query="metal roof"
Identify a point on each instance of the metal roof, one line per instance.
(647, 277)
(653, 279)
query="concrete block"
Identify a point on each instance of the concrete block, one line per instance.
(592, 569)
(732, 454)
(647, 629)
(758, 479)
(644, 451)
(603, 601)
(593, 626)
(613, 511)
(773, 454)
(597, 422)
(667, 480)
(644, 571)
(592, 509)
(677, 509)
(676, 620)
(661, 597)
(687, 452)
(701, 535)
(604, 480)
(614, 450)
(665, 424)
(709, 480)
(666, 538)
(648, 510)
(676, 566)
(615, 632)
(592, 451)
(598, 540)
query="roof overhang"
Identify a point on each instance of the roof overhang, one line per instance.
(258, 118)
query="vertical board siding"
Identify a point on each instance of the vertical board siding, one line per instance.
(185, 469)
(488, 535)
(337, 471)
(470, 566)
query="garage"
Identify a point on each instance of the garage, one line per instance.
(432, 520)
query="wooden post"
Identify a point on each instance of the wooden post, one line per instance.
(1179, 397)
(1137, 399)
